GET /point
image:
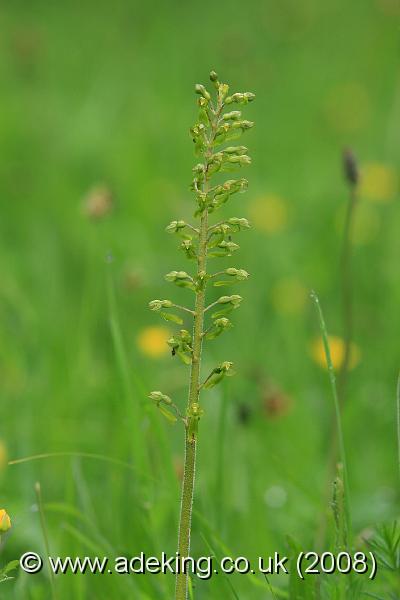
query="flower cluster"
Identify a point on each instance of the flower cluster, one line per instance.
(219, 122)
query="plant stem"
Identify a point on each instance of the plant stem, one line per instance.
(185, 521)
(191, 429)
(347, 321)
(398, 420)
(347, 294)
(38, 492)
(338, 416)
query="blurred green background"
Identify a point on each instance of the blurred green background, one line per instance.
(95, 106)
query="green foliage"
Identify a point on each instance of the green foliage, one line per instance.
(385, 544)
(9, 568)
(100, 95)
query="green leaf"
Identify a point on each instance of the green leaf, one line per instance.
(171, 317)
(222, 283)
(203, 117)
(167, 414)
(185, 357)
(11, 566)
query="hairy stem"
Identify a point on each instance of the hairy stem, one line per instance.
(191, 429)
(185, 521)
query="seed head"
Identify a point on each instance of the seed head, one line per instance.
(350, 167)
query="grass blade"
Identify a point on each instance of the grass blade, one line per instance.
(332, 378)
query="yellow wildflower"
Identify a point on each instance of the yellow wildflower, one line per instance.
(269, 213)
(5, 521)
(152, 341)
(379, 182)
(337, 349)
(289, 296)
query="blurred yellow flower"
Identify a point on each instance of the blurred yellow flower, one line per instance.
(337, 347)
(347, 107)
(5, 521)
(289, 296)
(3, 456)
(152, 341)
(269, 213)
(379, 182)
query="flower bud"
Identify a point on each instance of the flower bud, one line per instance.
(240, 98)
(249, 96)
(239, 223)
(350, 168)
(234, 115)
(201, 90)
(228, 246)
(199, 168)
(240, 274)
(238, 150)
(218, 374)
(243, 125)
(159, 397)
(241, 160)
(173, 343)
(175, 226)
(186, 336)
(225, 366)
(176, 275)
(196, 410)
(159, 304)
(213, 76)
(189, 249)
(235, 300)
(222, 322)
(223, 129)
(5, 521)
(223, 89)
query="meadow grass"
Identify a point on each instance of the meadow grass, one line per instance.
(100, 95)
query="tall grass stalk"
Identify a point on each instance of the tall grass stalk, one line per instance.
(398, 421)
(133, 405)
(200, 243)
(38, 492)
(337, 409)
(351, 175)
(134, 391)
(352, 178)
